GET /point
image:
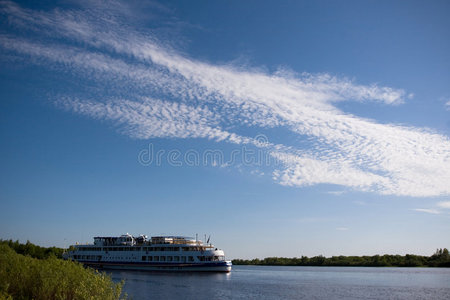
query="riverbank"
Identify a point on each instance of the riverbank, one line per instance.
(26, 277)
(441, 258)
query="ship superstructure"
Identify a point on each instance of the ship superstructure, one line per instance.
(159, 253)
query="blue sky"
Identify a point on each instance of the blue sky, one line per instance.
(281, 129)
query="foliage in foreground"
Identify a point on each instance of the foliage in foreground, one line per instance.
(24, 277)
(33, 250)
(439, 259)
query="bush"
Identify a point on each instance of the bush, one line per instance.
(33, 250)
(24, 277)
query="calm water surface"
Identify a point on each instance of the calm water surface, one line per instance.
(262, 282)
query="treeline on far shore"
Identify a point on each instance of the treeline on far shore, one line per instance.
(441, 258)
(28, 271)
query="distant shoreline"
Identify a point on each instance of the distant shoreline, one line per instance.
(440, 259)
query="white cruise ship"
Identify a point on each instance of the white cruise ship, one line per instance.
(160, 253)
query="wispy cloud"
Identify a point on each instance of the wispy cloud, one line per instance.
(204, 100)
(359, 202)
(152, 118)
(439, 208)
(341, 228)
(336, 193)
(428, 210)
(444, 204)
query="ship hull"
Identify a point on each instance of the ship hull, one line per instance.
(197, 267)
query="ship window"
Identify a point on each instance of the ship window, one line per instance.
(183, 258)
(191, 258)
(149, 258)
(163, 258)
(176, 258)
(169, 258)
(144, 258)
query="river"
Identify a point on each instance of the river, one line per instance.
(267, 282)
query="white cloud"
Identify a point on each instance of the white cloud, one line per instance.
(341, 228)
(428, 210)
(202, 99)
(336, 193)
(152, 118)
(359, 202)
(447, 105)
(440, 205)
(443, 204)
(303, 170)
